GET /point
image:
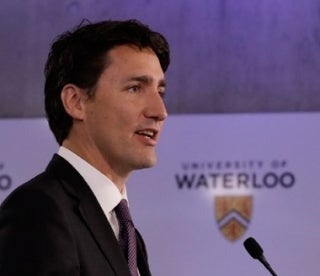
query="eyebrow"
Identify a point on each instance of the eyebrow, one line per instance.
(147, 80)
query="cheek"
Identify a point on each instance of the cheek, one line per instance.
(120, 121)
(126, 113)
(115, 116)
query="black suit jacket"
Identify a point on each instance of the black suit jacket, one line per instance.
(53, 225)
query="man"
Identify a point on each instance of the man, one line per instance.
(104, 102)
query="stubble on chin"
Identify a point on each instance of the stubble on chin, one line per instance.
(146, 163)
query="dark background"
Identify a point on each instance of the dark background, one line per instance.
(228, 56)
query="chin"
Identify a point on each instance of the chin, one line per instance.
(146, 163)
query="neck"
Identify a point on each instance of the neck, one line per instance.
(95, 159)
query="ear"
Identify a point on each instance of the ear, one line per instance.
(72, 98)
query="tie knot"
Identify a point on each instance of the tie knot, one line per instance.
(122, 211)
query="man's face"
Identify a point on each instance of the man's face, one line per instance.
(125, 118)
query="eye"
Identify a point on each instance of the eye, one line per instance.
(162, 94)
(134, 89)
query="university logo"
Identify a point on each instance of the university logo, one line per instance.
(233, 215)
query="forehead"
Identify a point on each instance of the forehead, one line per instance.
(125, 54)
(129, 49)
(128, 59)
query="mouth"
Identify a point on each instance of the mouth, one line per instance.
(148, 135)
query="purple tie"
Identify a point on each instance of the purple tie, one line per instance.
(127, 236)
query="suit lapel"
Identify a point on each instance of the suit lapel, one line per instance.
(103, 235)
(91, 213)
(142, 256)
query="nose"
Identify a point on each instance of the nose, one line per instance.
(156, 108)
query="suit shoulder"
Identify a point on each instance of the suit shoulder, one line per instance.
(39, 193)
(49, 184)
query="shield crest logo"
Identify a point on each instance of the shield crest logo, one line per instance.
(233, 215)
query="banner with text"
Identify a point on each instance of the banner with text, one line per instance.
(219, 179)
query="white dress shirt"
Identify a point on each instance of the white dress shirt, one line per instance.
(106, 192)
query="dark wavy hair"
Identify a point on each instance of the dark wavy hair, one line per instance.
(80, 56)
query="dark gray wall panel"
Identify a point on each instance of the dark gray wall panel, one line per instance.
(227, 55)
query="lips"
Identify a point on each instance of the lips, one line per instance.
(148, 136)
(147, 133)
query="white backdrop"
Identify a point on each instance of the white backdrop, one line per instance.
(272, 158)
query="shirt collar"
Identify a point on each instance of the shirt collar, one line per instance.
(102, 187)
